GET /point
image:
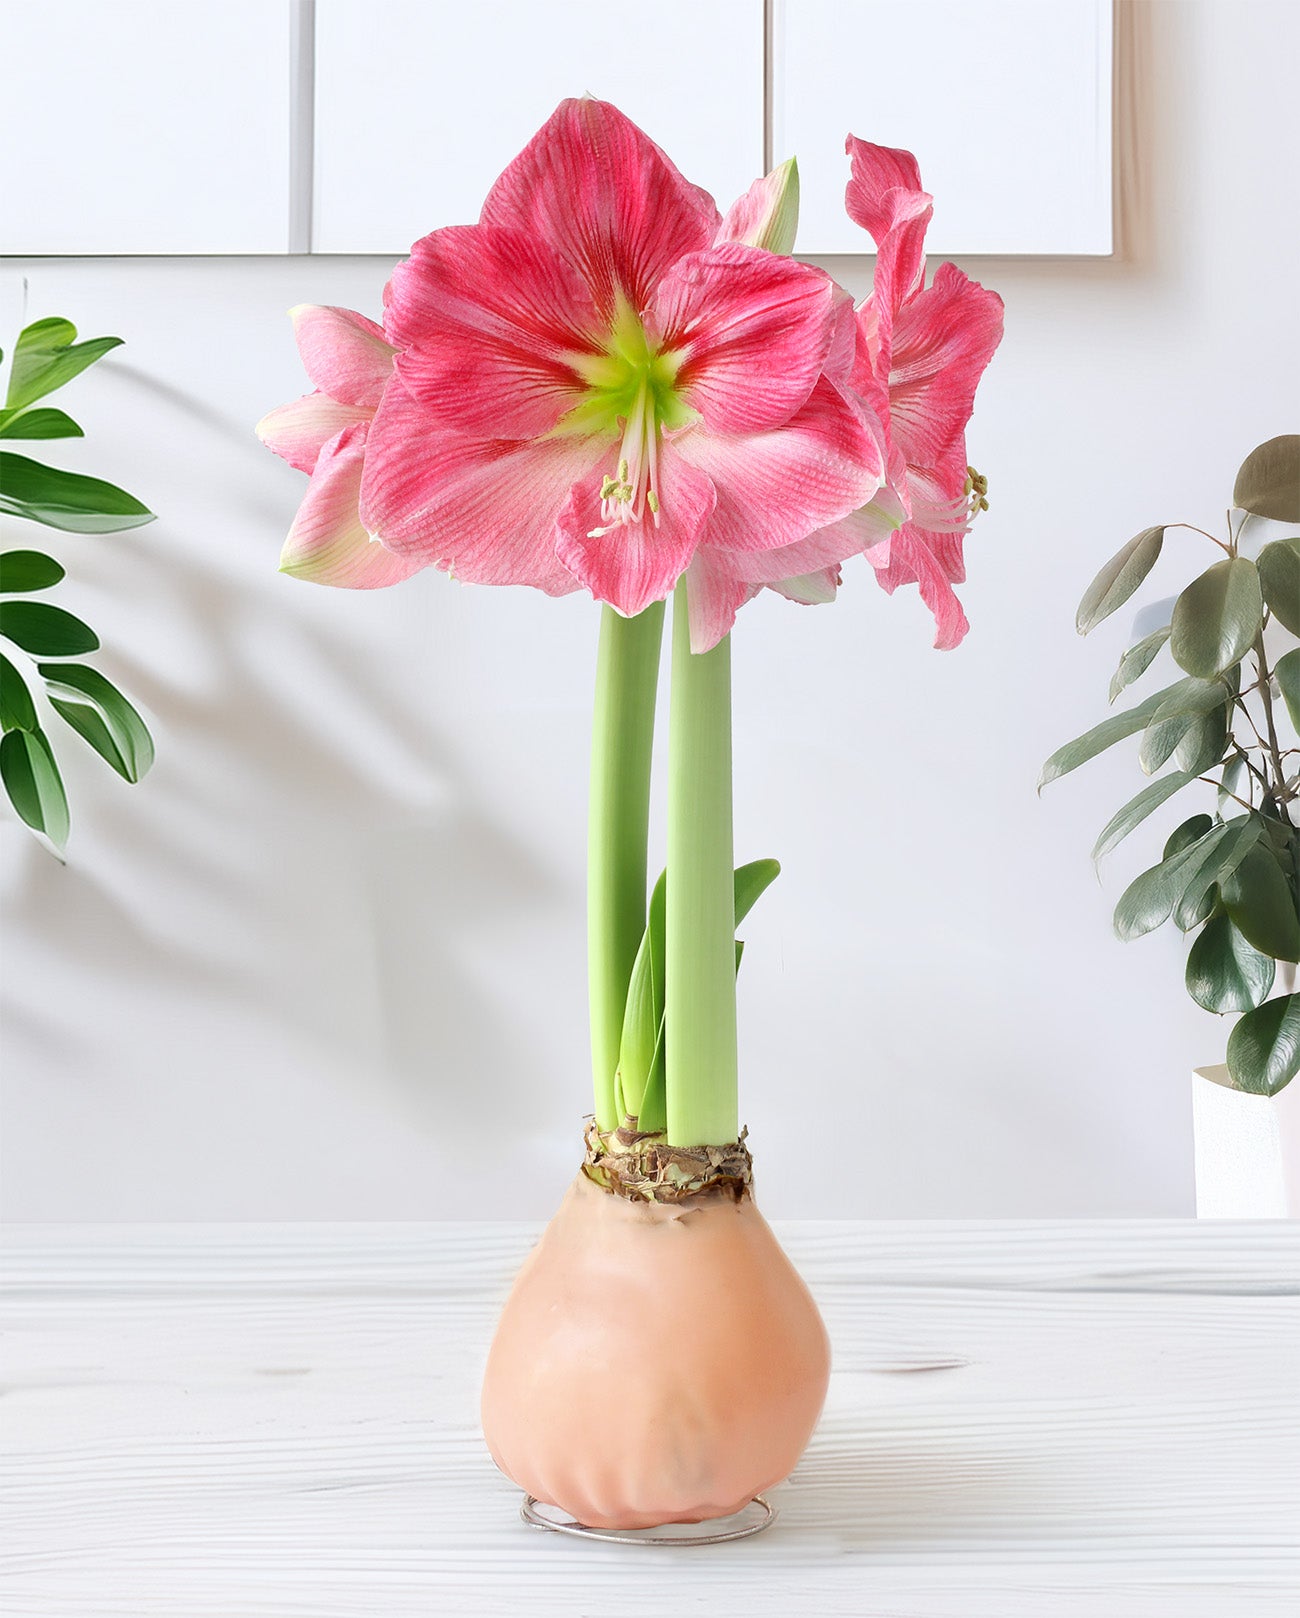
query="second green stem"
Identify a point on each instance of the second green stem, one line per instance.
(701, 911)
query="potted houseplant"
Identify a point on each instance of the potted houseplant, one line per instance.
(1229, 874)
(605, 384)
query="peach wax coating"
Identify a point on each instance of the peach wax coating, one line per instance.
(655, 1363)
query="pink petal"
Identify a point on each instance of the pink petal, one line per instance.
(900, 270)
(767, 215)
(606, 199)
(638, 562)
(344, 354)
(327, 543)
(753, 331)
(298, 432)
(912, 561)
(811, 589)
(490, 321)
(866, 531)
(943, 338)
(815, 553)
(714, 595)
(483, 509)
(777, 487)
(876, 171)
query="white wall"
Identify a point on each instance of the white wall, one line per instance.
(329, 956)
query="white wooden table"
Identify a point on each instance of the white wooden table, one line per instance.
(1054, 1421)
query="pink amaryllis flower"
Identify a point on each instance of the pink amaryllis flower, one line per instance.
(922, 351)
(591, 389)
(350, 361)
(917, 357)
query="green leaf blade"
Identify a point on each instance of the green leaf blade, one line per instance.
(1120, 577)
(1136, 810)
(1208, 869)
(1137, 660)
(94, 707)
(641, 1046)
(23, 571)
(1216, 618)
(1225, 972)
(66, 500)
(751, 882)
(1152, 898)
(1264, 1047)
(34, 785)
(32, 424)
(45, 358)
(1259, 899)
(1185, 703)
(1279, 577)
(1268, 484)
(45, 631)
(1287, 670)
(1115, 729)
(17, 710)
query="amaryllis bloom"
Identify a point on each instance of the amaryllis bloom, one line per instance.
(350, 361)
(922, 352)
(914, 361)
(592, 389)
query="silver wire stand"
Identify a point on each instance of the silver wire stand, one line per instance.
(749, 1520)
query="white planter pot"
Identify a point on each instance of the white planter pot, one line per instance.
(1247, 1150)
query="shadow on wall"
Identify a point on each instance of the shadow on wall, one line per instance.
(310, 875)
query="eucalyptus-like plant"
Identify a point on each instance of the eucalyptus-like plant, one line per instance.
(1229, 876)
(47, 638)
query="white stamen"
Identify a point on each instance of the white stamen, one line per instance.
(625, 495)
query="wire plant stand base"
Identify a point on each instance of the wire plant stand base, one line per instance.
(743, 1524)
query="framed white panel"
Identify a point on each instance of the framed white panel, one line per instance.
(144, 126)
(1006, 103)
(421, 103)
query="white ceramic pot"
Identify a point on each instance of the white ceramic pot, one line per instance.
(1247, 1150)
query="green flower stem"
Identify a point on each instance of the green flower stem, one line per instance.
(622, 739)
(700, 970)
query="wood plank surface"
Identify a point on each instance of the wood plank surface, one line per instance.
(1048, 1420)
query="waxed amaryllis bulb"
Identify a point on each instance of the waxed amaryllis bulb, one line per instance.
(655, 1362)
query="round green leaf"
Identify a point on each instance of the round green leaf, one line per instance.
(1264, 1047)
(17, 710)
(1259, 899)
(1279, 577)
(1191, 831)
(1217, 618)
(1268, 484)
(27, 570)
(47, 631)
(32, 780)
(1119, 578)
(1224, 971)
